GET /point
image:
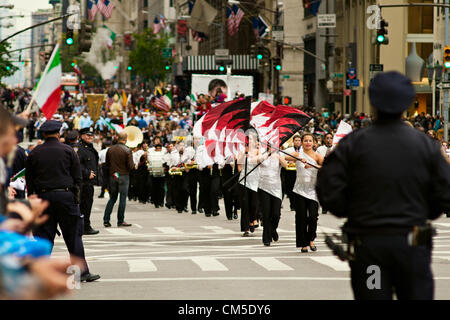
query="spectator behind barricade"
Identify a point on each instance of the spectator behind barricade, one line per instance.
(85, 121)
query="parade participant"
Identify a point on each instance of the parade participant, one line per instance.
(179, 180)
(269, 193)
(89, 171)
(306, 203)
(230, 197)
(214, 191)
(53, 173)
(290, 173)
(120, 162)
(103, 168)
(171, 159)
(204, 177)
(388, 180)
(155, 160)
(192, 173)
(325, 149)
(249, 185)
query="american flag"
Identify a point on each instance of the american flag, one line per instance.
(92, 9)
(156, 25)
(160, 103)
(106, 7)
(164, 22)
(198, 36)
(230, 21)
(238, 16)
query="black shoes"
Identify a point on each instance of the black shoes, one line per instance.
(267, 244)
(90, 231)
(275, 236)
(89, 277)
(304, 250)
(101, 196)
(124, 224)
(246, 234)
(194, 212)
(235, 215)
(215, 213)
(180, 211)
(313, 248)
(252, 229)
(207, 214)
(200, 210)
(107, 224)
(185, 209)
(168, 207)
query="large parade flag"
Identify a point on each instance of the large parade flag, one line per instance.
(343, 129)
(48, 90)
(282, 124)
(260, 113)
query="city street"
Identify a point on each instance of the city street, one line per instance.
(166, 255)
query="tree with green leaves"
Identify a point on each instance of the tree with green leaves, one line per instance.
(7, 69)
(146, 58)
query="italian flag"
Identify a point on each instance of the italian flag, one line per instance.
(114, 127)
(48, 90)
(20, 174)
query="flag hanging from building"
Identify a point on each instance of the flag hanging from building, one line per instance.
(230, 21)
(259, 27)
(92, 9)
(106, 7)
(156, 25)
(238, 16)
(112, 37)
(164, 24)
(202, 15)
(48, 91)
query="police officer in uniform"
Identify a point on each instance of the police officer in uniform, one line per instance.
(53, 173)
(387, 180)
(89, 171)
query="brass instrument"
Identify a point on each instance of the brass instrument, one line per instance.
(134, 136)
(291, 166)
(191, 166)
(176, 171)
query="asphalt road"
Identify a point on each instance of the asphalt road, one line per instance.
(167, 255)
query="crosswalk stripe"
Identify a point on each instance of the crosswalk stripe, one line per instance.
(209, 264)
(272, 264)
(119, 232)
(333, 263)
(442, 224)
(168, 230)
(283, 230)
(218, 230)
(141, 265)
(326, 229)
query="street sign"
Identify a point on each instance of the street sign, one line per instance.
(167, 53)
(351, 73)
(222, 54)
(286, 76)
(355, 83)
(443, 85)
(374, 69)
(347, 92)
(337, 75)
(326, 20)
(278, 33)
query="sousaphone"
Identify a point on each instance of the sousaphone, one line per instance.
(134, 136)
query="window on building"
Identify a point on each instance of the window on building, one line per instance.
(145, 24)
(145, 3)
(171, 3)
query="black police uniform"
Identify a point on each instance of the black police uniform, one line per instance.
(89, 162)
(52, 172)
(387, 179)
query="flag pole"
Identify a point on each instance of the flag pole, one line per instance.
(43, 75)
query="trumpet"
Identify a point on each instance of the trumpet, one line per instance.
(191, 166)
(291, 166)
(176, 171)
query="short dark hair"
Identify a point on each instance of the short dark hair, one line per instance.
(5, 120)
(216, 83)
(309, 134)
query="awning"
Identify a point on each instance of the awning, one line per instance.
(207, 63)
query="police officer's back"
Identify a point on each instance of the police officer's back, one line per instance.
(53, 173)
(388, 180)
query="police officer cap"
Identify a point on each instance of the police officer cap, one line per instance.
(87, 130)
(72, 135)
(391, 92)
(50, 126)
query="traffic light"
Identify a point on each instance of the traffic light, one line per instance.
(447, 57)
(287, 101)
(276, 62)
(168, 66)
(129, 68)
(69, 37)
(259, 52)
(85, 35)
(382, 32)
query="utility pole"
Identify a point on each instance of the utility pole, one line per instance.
(276, 73)
(446, 78)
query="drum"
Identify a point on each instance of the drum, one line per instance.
(155, 161)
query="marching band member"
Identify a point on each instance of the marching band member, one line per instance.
(180, 186)
(171, 159)
(249, 186)
(203, 179)
(156, 160)
(289, 171)
(270, 193)
(230, 197)
(192, 173)
(306, 202)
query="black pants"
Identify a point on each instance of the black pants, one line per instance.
(132, 189)
(87, 199)
(271, 212)
(230, 197)
(169, 194)
(180, 191)
(209, 191)
(306, 216)
(142, 186)
(157, 193)
(215, 192)
(192, 178)
(105, 178)
(400, 268)
(289, 182)
(249, 206)
(63, 211)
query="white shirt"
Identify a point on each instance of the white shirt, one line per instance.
(252, 179)
(200, 157)
(269, 177)
(172, 159)
(188, 155)
(137, 156)
(102, 156)
(152, 149)
(322, 150)
(305, 184)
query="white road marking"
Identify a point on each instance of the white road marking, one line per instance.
(272, 264)
(218, 230)
(442, 224)
(283, 230)
(209, 264)
(234, 279)
(141, 265)
(333, 263)
(169, 230)
(322, 229)
(138, 225)
(118, 231)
